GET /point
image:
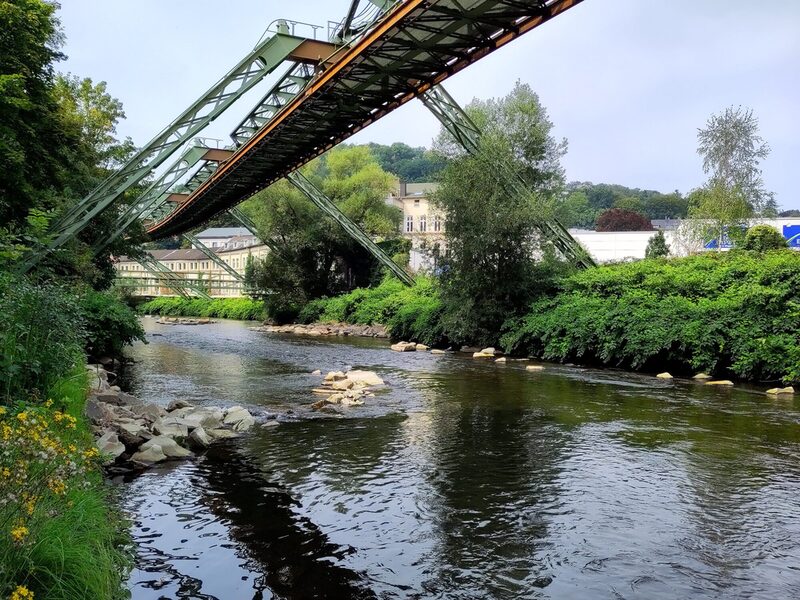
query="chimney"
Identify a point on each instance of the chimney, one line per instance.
(403, 193)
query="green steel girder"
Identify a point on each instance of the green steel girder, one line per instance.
(467, 134)
(302, 183)
(264, 59)
(171, 279)
(156, 194)
(247, 222)
(213, 256)
(140, 282)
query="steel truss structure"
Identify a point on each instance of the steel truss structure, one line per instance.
(171, 279)
(376, 61)
(467, 134)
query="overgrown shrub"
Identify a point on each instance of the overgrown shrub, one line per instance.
(734, 313)
(762, 238)
(242, 309)
(41, 337)
(109, 323)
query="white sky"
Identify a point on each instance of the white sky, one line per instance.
(627, 82)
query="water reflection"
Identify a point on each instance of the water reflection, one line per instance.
(464, 479)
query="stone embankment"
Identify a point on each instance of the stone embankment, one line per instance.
(183, 321)
(132, 435)
(327, 329)
(345, 389)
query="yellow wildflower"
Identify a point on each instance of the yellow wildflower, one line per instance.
(5, 472)
(49, 403)
(2, 410)
(18, 534)
(21, 593)
(23, 416)
(57, 486)
(90, 453)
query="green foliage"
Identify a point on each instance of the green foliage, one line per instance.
(316, 257)
(657, 246)
(762, 238)
(582, 210)
(409, 164)
(75, 545)
(718, 212)
(109, 323)
(733, 313)
(242, 309)
(40, 337)
(488, 272)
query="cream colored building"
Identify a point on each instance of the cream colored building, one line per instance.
(195, 267)
(422, 222)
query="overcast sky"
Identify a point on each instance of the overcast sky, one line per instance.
(627, 82)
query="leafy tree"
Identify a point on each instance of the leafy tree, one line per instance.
(618, 219)
(657, 246)
(719, 213)
(316, 256)
(488, 272)
(762, 238)
(631, 204)
(407, 163)
(732, 149)
(575, 211)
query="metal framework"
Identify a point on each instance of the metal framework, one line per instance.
(213, 256)
(171, 279)
(414, 46)
(302, 183)
(467, 134)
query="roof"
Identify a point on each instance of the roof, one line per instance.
(223, 232)
(420, 189)
(178, 254)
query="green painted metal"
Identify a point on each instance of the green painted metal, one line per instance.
(171, 279)
(155, 195)
(264, 59)
(302, 183)
(271, 243)
(466, 132)
(213, 256)
(143, 282)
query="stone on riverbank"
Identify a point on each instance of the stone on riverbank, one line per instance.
(172, 427)
(502, 359)
(664, 375)
(149, 457)
(199, 439)
(722, 382)
(177, 404)
(437, 351)
(404, 347)
(365, 378)
(109, 446)
(534, 368)
(787, 391)
(334, 376)
(167, 445)
(239, 418)
(701, 376)
(420, 347)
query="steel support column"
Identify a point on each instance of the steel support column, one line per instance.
(453, 118)
(161, 272)
(213, 257)
(302, 183)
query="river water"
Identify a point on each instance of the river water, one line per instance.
(463, 479)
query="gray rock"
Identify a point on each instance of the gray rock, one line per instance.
(151, 455)
(404, 347)
(133, 433)
(209, 418)
(221, 434)
(151, 411)
(176, 404)
(99, 413)
(168, 446)
(170, 427)
(235, 414)
(199, 438)
(244, 424)
(366, 378)
(109, 445)
(436, 351)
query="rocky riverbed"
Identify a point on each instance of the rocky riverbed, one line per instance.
(327, 330)
(133, 435)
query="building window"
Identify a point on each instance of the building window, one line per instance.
(423, 223)
(409, 224)
(437, 223)
(416, 201)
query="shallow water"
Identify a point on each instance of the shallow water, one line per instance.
(463, 479)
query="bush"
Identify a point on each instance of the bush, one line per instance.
(724, 313)
(657, 246)
(762, 238)
(242, 309)
(41, 337)
(109, 324)
(619, 219)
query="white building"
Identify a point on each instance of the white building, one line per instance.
(218, 237)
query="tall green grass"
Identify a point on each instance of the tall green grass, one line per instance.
(78, 546)
(243, 309)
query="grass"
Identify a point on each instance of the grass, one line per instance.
(76, 546)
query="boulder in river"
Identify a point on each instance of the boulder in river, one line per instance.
(176, 404)
(787, 391)
(664, 375)
(437, 351)
(169, 447)
(534, 368)
(172, 427)
(150, 456)
(722, 382)
(702, 376)
(199, 438)
(420, 347)
(109, 445)
(502, 359)
(366, 378)
(239, 418)
(335, 376)
(404, 347)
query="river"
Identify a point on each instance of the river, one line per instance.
(463, 479)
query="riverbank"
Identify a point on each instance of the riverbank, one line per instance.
(63, 538)
(731, 315)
